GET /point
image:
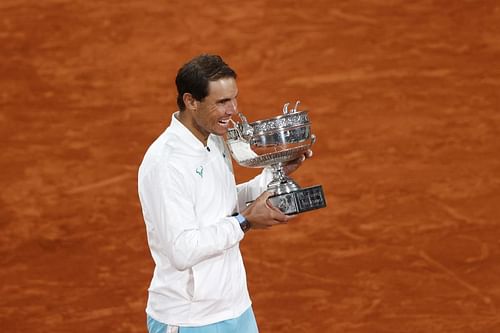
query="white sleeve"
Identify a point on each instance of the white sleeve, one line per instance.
(250, 190)
(173, 230)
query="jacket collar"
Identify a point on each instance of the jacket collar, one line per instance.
(188, 138)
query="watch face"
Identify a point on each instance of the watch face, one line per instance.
(245, 225)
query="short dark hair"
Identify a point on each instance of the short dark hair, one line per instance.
(194, 76)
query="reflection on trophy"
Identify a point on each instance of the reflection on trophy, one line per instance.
(274, 142)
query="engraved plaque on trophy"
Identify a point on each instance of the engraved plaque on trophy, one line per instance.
(274, 142)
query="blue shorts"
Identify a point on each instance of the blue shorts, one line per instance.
(243, 324)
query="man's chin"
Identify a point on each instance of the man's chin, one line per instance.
(220, 131)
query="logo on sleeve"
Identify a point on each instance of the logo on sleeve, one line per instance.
(199, 171)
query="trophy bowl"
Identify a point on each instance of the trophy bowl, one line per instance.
(273, 143)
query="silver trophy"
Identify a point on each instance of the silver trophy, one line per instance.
(274, 142)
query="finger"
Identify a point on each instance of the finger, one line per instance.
(262, 226)
(298, 160)
(279, 216)
(265, 195)
(271, 223)
(294, 164)
(270, 206)
(276, 213)
(289, 217)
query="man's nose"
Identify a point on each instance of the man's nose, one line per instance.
(232, 106)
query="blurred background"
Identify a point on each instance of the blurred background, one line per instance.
(403, 98)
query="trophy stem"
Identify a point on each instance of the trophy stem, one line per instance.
(281, 183)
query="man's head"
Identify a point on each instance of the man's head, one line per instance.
(207, 96)
(194, 77)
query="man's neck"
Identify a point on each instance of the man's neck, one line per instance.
(191, 125)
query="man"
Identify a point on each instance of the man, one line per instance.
(195, 214)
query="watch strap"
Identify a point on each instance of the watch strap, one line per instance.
(244, 224)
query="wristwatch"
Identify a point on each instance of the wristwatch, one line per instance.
(244, 224)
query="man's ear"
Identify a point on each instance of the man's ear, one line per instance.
(189, 101)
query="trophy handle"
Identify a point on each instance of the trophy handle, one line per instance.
(245, 131)
(294, 110)
(285, 108)
(237, 128)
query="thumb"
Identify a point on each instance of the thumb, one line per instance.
(265, 195)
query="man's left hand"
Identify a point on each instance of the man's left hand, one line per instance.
(295, 164)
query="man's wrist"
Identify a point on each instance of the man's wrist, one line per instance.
(244, 223)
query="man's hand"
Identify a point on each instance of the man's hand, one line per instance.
(261, 214)
(291, 166)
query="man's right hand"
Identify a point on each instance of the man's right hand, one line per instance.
(261, 213)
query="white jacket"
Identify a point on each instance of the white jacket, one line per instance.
(188, 193)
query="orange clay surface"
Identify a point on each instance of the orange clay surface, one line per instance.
(404, 100)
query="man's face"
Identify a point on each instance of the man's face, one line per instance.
(213, 113)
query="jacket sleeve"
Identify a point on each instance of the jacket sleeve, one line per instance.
(172, 228)
(250, 190)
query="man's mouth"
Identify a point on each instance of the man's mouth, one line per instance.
(224, 122)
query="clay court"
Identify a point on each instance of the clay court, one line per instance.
(404, 98)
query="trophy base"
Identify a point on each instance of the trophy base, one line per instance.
(299, 201)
